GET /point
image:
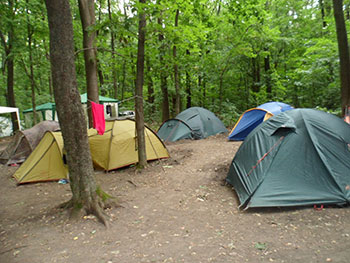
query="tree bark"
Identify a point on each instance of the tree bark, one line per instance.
(256, 74)
(343, 54)
(30, 74)
(323, 15)
(163, 76)
(114, 74)
(150, 89)
(267, 68)
(140, 125)
(221, 87)
(87, 16)
(188, 87)
(204, 91)
(176, 71)
(70, 111)
(8, 46)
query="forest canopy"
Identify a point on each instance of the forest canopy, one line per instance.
(228, 55)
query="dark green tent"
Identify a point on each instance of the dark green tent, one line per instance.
(299, 157)
(193, 123)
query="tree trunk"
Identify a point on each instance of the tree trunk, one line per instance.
(123, 80)
(324, 22)
(343, 54)
(87, 16)
(256, 74)
(163, 77)
(150, 89)
(99, 71)
(30, 33)
(10, 66)
(10, 90)
(267, 68)
(140, 125)
(188, 86)
(176, 72)
(199, 88)
(204, 91)
(114, 73)
(221, 88)
(70, 111)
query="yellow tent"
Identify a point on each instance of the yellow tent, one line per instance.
(117, 147)
(45, 162)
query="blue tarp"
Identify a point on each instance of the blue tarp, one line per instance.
(253, 117)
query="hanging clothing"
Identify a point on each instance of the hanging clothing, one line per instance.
(98, 117)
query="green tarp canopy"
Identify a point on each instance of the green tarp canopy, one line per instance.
(299, 157)
(52, 106)
(100, 98)
(49, 106)
(42, 107)
(192, 123)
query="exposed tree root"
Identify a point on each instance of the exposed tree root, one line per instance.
(96, 208)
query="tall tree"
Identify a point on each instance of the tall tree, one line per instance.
(140, 126)
(343, 54)
(176, 71)
(8, 46)
(30, 74)
(188, 86)
(162, 71)
(150, 88)
(87, 16)
(114, 74)
(70, 112)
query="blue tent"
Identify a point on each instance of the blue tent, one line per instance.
(253, 117)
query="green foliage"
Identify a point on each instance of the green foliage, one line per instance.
(237, 54)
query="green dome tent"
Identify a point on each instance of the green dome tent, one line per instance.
(297, 158)
(193, 123)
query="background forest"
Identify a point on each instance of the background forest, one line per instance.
(226, 56)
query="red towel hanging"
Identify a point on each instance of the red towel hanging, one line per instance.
(98, 117)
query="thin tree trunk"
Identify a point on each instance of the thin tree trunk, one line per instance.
(188, 87)
(123, 80)
(150, 89)
(70, 111)
(324, 22)
(256, 75)
(114, 73)
(30, 33)
(267, 68)
(87, 16)
(204, 91)
(343, 54)
(10, 66)
(199, 88)
(99, 71)
(140, 125)
(163, 77)
(176, 71)
(10, 90)
(221, 88)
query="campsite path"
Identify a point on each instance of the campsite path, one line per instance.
(178, 210)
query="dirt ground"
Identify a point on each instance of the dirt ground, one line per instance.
(177, 210)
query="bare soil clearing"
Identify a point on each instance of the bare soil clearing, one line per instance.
(178, 210)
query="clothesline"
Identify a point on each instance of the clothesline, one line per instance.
(119, 102)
